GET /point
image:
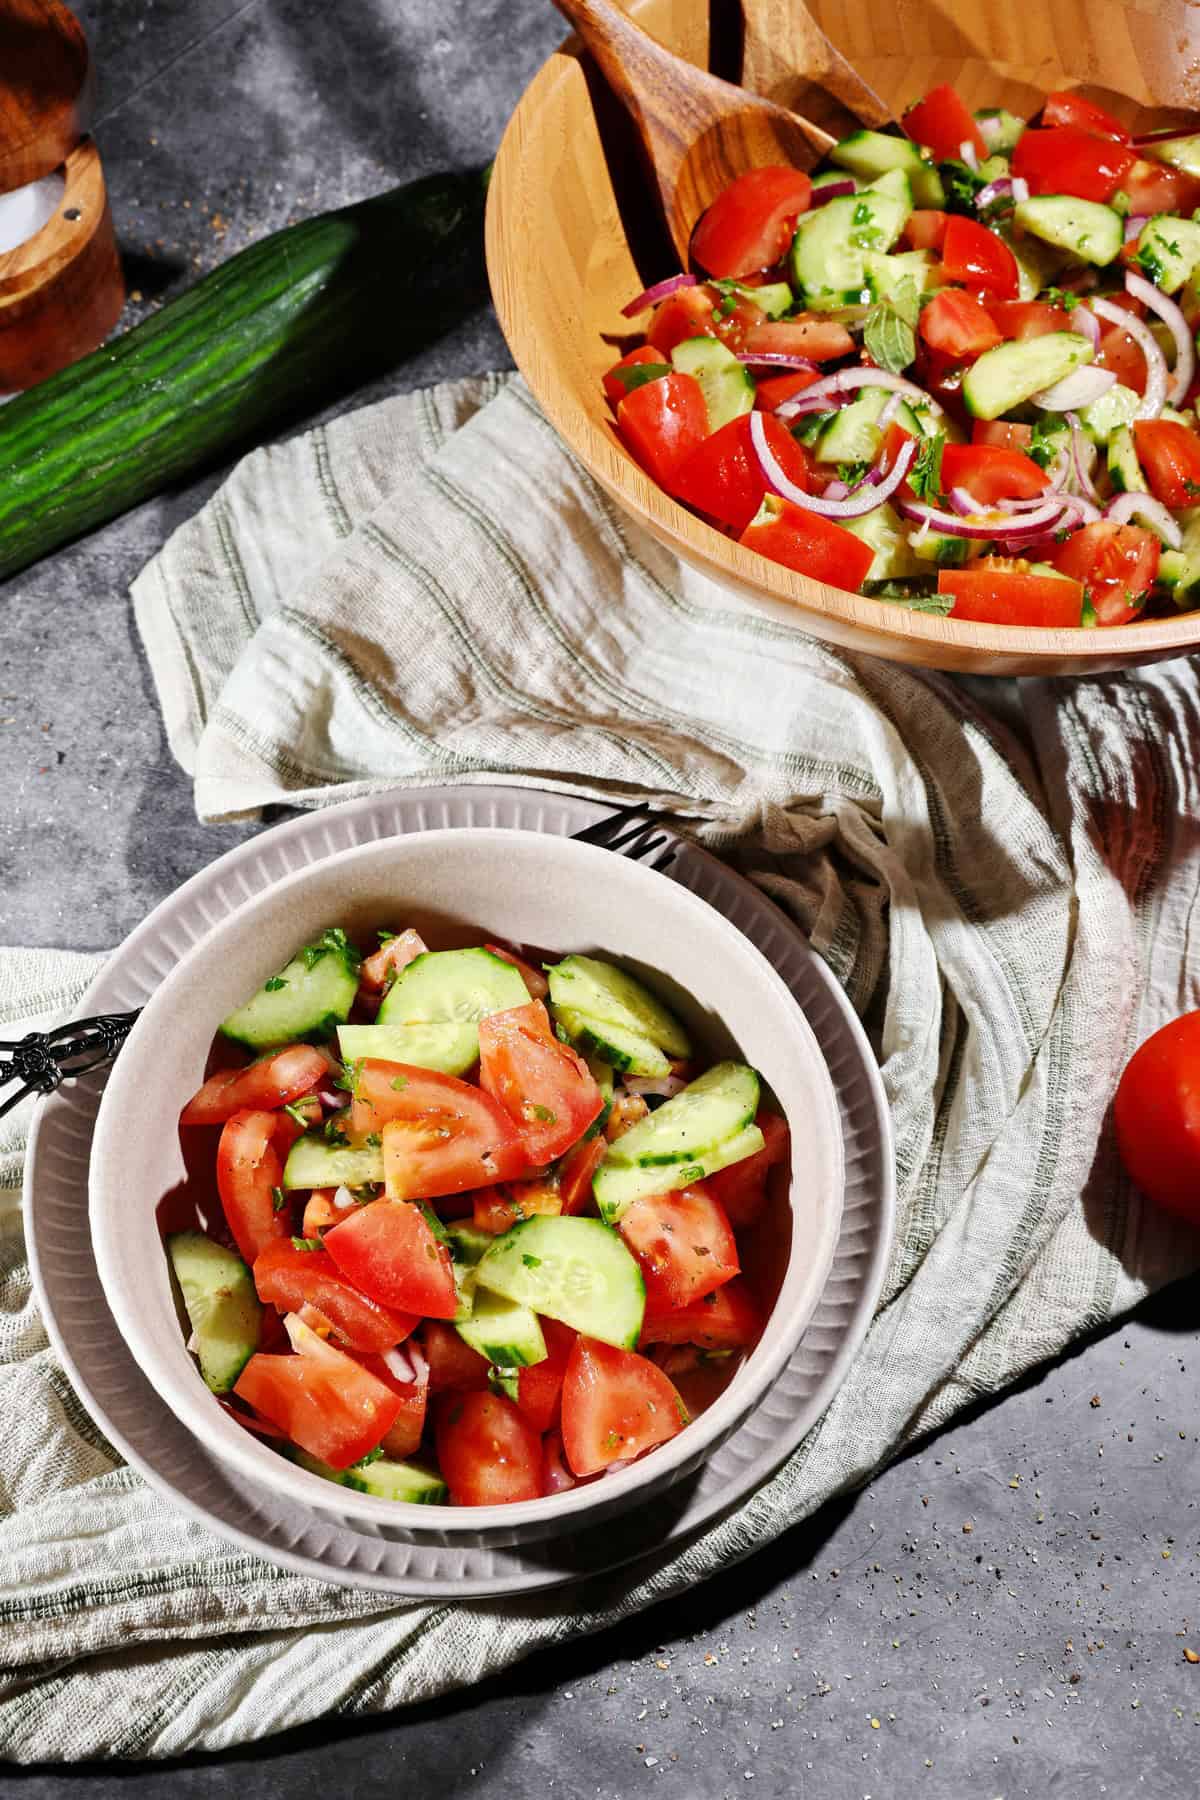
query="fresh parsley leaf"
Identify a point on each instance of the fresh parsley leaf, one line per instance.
(1056, 296)
(918, 594)
(1045, 443)
(961, 185)
(851, 473)
(1191, 487)
(636, 375)
(925, 475)
(1149, 264)
(532, 1262)
(306, 1243)
(373, 1141)
(273, 986)
(299, 1111)
(334, 1132)
(278, 1199)
(347, 1076)
(544, 1114)
(334, 941)
(399, 1082)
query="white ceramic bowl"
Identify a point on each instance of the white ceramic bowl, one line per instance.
(458, 887)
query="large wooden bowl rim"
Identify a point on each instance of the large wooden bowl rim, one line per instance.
(963, 644)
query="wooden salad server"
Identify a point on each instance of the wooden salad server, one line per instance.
(787, 58)
(698, 132)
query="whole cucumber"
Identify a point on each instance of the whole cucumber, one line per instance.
(275, 332)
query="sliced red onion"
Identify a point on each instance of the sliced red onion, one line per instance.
(969, 155)
(1083, 511)
(416, 1357)
(1032, 505)
(832, 190)
(670, 1085)
(397, 1363)
(1123, 508)
(1079, 388)
(891, 408)
(1172, 317)
(864, 499)
(778, 359)
(615, 1468)
(331, 1099)
(1156, 362)
(836, 490)
(1079, 466)
(1087, 324)
(1133, 226)
(995, 190)
(804, 403)
(558, 1481)
(658, 292)
(989, 131)
(1020, 190)
(963, 501)
(845, 381)
(342, 1198)
(932, 518)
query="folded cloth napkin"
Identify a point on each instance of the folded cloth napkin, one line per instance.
(433, 590)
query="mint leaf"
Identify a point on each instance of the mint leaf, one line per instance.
(925, 475)
(636, 375)
(889, 340)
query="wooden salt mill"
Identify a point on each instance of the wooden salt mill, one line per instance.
(61, 287)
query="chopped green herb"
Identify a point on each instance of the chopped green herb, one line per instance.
(334, 1132)
(1056, 296)
(347, 1076)
(273, 986)
(889, 339)
(399, 1082)
(636, 375)
(299, 1110)
(694, 1173)
(684, 1415)
(961, 185)
(532, 1262)
(278, 1199)
(545, 1115)
(1190, 487)
(1149, 264)
(434, 1223)
(334, 941)
(918, 593)
(851, 473)
(373, 1141)
(306, 1243)
(612, 1441)
(925, 475)
(385, 937)
(1045, 443)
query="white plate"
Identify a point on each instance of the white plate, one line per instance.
(155, 1442)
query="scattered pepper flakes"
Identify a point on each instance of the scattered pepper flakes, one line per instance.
(1095, 1400)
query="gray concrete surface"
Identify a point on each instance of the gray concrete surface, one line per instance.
(1005, 1613)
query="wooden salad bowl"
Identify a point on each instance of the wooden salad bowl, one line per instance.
(573, 234)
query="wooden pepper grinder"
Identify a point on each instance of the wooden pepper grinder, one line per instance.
(61, 287)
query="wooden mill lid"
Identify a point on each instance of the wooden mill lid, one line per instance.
(45, 88)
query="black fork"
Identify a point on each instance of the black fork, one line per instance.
(42, 1060)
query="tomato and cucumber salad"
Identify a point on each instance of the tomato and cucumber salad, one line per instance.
(479, 1222)
(954, 368)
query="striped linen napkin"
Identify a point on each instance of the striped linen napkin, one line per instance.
(432, 590)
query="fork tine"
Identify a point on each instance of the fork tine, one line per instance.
(603, 830)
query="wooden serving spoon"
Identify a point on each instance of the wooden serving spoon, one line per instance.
(699, 133)
(788, 58)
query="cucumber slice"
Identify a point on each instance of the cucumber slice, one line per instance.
(575, 1270)
(449, 1048)
(994, 168)
(1117, 408)
(384, 1478)
(828, 176)
(601, 1071)
(1012, 373)
(1006, 128)
(222, 1306)
(617, 1186)
(1180, 152)
(1084, 227)
(773, 297)
(883, 531)
(873, 153)
(830, 245)
(853, 434)
(622, 1049)
(715, 1107)
(314, 1163)
(1171, 569)
(1037, 263)
(308, 998)
(946, 551)
(505, 1331)
(1168, 250)
(1180, 569)
(1124, 469)
(602, 991)
(457, 987)
(886, 273)
(727, 386)
(467, 1246)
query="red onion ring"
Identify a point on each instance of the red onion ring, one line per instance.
(777, 359)
(832, 190)
(397, 1362)
(865, 498)
(1084, 481)
(1086, 323)
(1123, 508)
(1172, 317)
(969, 155)
(963, 501)
(1079, 388)
(658, 292)
(1134, 224)
(1156, 365)
(1020, 190)
(1016, 529)
(995, 190)
(845, 381)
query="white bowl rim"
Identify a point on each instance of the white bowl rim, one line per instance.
(198, 1409)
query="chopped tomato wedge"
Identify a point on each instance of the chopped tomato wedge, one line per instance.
(1020, 319)
(956, 325)
(1073, 109)
(683, 1243)
(452, 1362)
(290, 1278)
(661, 422)
(539, 1387)
(771, 393)
(536, 985)
(925, 229)
(498, 1209)
(273, 1081)
(943, 123)
(249, 1179)
(809, 335)
(1065, 160)
(814, 545)
(380, 970)
(990, 473)
(543, 1086)
(1123, 355)
(1154, 187)
(1170, 456)
(723, 478)
(440, 1135)
(615, 1405)
(751, 223)
(978, 258)
(320, 1214)
(1002, 595)
(326, 1402)
(1117, 565)
(1000, 432)
(645, 355)
(388, 1251)
(576, 1170)
(689, 312)
(741, 1189)
(726, 1319)
(488, 1451)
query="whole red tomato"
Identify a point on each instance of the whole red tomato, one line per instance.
(1157, 1115)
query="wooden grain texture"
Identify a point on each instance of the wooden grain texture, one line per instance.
(787, 57)
(561, 268)
(45, 80)
(61, 292)
(698, 132)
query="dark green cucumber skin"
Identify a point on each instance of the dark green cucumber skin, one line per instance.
(269, 336)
